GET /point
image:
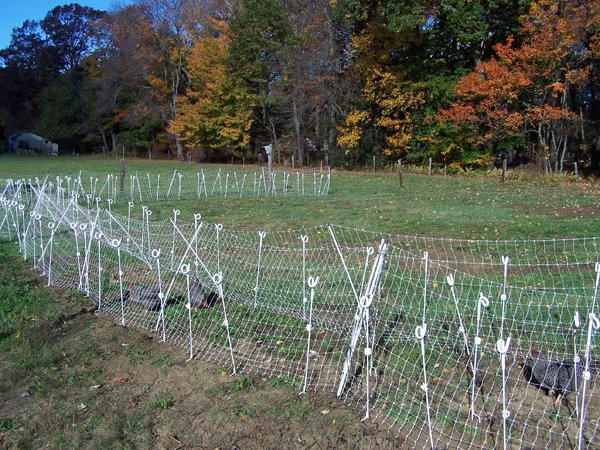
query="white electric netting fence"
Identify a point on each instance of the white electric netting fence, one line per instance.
(91, 189)
(448, 343)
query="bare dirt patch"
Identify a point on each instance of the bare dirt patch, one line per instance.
(105, 386)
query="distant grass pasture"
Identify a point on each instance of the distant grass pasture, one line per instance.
(453, 206)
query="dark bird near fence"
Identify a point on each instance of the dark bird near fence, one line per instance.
(558, 378)
(147, 297)
(197, 295)
(199, 298)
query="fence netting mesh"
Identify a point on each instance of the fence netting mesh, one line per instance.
(448, 343)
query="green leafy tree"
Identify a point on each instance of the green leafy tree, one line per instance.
(259, 31)
(62, 114)
(69, 31)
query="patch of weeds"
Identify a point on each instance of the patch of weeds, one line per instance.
(148, 439)
(74, 295)
(162, 360)
(22, 297)
(134, 423)
(95, 374)
(37, 347)
(51, 380)
(223, 372)
(92, 423)
(39, 384)
(216, 389)
(86, 347)
(290, 351)
(296, 409)
(242, 384)
(71, 378)
(448, 420)
(346, 419)
(241, 409)
(162, 404)
(284, 380)
(135, 357)
(471, 430)
(274, 410)
(8, 425)
(401, 414)
(57, 439)
(162, 401)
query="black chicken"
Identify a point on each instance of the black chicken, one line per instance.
(147, 297)
(198, 298)
(559, 378)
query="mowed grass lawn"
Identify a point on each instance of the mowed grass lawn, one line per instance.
(454, 206)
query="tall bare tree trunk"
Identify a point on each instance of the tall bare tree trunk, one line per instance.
(563, 151)
(104, 140)
(180, 149)
(113, 139)
(299, 148)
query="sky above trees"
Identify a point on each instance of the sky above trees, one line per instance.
(14, 13)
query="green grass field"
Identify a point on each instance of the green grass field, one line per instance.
(458, 207)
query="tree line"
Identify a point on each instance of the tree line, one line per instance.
(466, 83)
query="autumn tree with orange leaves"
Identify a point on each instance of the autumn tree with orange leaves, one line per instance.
(528, 89)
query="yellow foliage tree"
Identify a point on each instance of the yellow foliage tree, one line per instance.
(389, 104)
(215, 112)
(397, 106)
(350, 130)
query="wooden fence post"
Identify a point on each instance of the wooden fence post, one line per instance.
(400, 176)
(503, 179)
(429, 167)
(122, 176)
